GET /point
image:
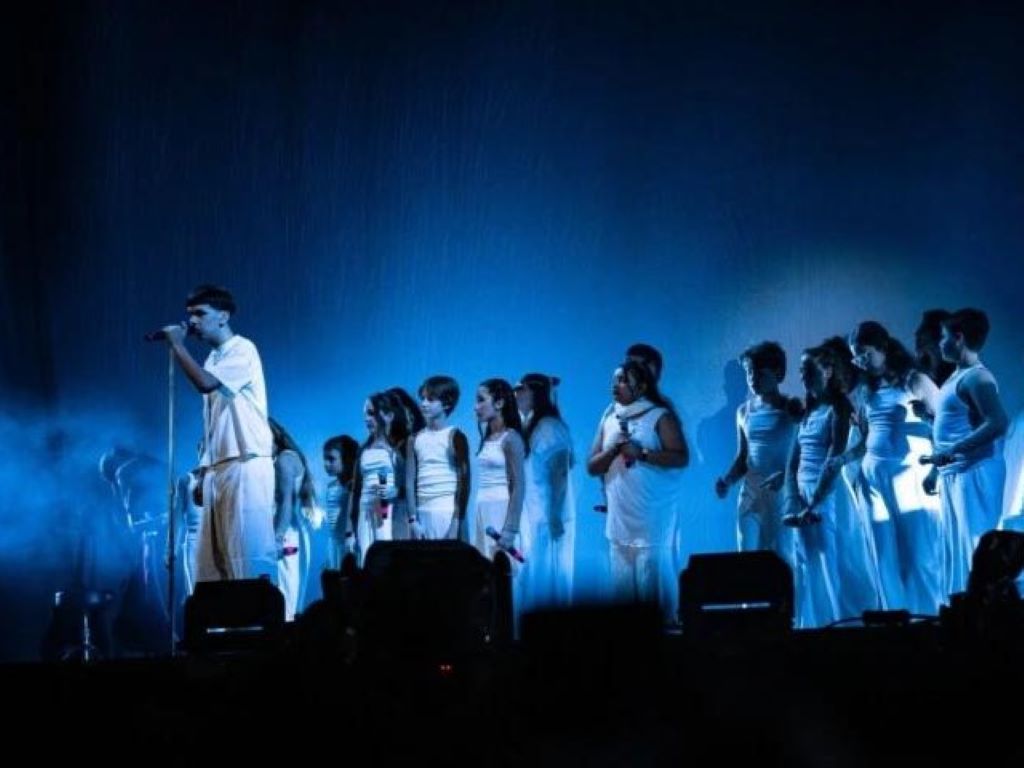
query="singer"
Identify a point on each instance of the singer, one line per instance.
(237, 533)
(643, 428)
(499, 498)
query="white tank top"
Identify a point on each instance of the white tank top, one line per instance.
(815, 438)
(641, 497)
(891, 423)
(769, 432)
(493, 476)
(435, 468)
(376, 463)
(953, 423)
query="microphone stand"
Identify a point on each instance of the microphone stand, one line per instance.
(171, 547)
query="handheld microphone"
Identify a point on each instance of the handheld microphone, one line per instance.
(939, 460)
(161, 334)
(385, 506)
(512, 551)
(624, 429)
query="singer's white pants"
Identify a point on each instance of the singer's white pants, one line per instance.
(972, 502)
(288, 574)
(367, 531)
(236, 536)
(635, 572)
(435, 516)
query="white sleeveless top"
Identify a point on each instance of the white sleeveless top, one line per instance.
(641, 497)
(435, 469)
(815, 437)
(549, 438)
(491, 471)
(376, 463)
(769, 432)
(953, 423)
(889, 415)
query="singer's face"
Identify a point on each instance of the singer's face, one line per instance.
(623, 391)
(484, 408)
(370, 418)
(951, 345)
(431, 408)
(814, 375)
(868, 358)
(760, 381)
(332, 462)
(205, 321)
(524, 400)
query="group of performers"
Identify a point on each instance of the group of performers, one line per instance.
(874, 486)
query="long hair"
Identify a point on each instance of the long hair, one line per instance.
(285, 442)
(541, 387)
(499, 389)
(642, 374)
(832, 353)
(348, 448)
(381, 402)
(414, 420)
(899, 363)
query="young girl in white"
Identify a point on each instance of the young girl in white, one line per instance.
(437, 466)
(372, 504)
(499, 497)
(816, 494)
(548, 506)
(906, 522)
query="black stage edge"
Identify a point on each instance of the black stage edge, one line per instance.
(595, 686)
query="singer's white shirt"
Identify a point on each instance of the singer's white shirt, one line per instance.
(235, 414)
(641, 497)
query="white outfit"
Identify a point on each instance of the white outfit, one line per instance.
(548, 579)
(375, 463)
(436, 480)
(335, 502)
(971, 489)
(641, 504)
(816, 573)
(907, 522)
(237, 535)
(293, 567)
(769, 432)
(492, 498)
(193, 524)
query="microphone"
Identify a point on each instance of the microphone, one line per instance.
(624, 429)
(940, 460)
(384, 505)
(161, 335)
(512, 551)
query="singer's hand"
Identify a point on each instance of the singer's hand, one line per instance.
(175, 334)
(557, 527)
(350, 544)
(774, 481)
(930, 483)
(631, 450)
(507, 540)
(385, 492)
(416, 532)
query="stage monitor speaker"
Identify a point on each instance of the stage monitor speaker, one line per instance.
(244, 614)
(428, 601)
(736, 593)
(996, 565)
